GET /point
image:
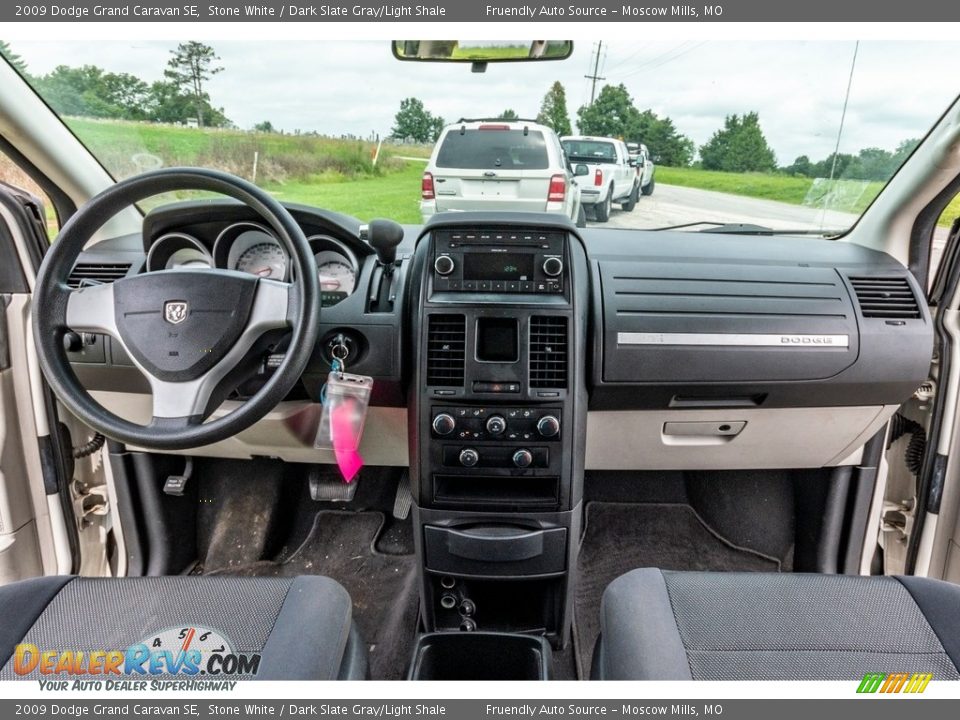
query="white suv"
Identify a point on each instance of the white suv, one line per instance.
(500, 165)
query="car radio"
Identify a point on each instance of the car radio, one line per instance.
(498, 261)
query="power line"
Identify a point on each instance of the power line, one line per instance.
(669, 56)
(843, 118)
(596, 73)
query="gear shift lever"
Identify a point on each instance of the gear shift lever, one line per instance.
(383, 236)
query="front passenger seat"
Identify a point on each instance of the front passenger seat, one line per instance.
(301, 627)
(662, 625)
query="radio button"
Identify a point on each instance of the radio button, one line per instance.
(444, 265)
(469, 457)
(444, 424)
(527, 286)
(513, 286)
(552, 266)
(496, 424)
(548, 426)
(523, 458)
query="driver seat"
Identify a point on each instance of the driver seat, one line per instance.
(301, 627)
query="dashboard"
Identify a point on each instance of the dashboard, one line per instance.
(250, 247)
(682, 349)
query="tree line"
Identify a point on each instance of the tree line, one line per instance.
(738, 146)
(90, 91)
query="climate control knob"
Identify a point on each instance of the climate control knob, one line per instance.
(496, 425)
(443, 265)
(552, 266)
(523, 458)
(469, 457)
(444, 424)
(548, 426)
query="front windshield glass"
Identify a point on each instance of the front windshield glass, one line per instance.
(798, 137)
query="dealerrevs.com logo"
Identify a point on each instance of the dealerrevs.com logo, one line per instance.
(186, 653)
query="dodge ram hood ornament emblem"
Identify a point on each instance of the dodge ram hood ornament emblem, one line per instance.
(175, 311)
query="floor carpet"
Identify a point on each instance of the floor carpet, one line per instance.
(383, 587)
(620, 537)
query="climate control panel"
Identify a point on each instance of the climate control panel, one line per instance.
(510, 425)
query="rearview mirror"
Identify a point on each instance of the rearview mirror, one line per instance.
(480, 52)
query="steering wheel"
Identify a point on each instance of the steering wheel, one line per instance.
(187, 331)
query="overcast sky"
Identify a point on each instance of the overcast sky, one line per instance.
(898, 91)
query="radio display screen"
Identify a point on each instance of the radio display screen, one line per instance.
(498, 266)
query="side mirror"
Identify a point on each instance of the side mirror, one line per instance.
(580, 170)
(634, 162)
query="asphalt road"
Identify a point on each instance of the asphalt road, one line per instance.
(674, 205)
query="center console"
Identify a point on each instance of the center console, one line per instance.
(497, 422)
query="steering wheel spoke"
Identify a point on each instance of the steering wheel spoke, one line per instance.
(91, 309)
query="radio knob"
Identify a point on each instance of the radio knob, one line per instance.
(444, 424)
(523, 458)
(443, 265)
(469, 457)
(552, 266)
(548, 426)
(496, 425)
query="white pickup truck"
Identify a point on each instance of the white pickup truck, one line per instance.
(611, 176)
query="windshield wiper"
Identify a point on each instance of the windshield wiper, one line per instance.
(749, 229)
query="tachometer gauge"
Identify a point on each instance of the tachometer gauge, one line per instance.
(265, 259)
(188, 258)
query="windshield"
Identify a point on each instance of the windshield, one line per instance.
(493, 147)
(590, 151)
(798, 137)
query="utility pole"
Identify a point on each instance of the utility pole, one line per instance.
(593, 78)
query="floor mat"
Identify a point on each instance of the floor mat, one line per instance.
(620, 537)
(384, 588)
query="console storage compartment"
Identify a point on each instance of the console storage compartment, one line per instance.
(495, 550)
(480, 656)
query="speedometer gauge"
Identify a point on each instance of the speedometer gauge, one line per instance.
(265, 259)
(337, 274)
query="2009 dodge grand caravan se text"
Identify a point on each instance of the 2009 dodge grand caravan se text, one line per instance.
(499, 165)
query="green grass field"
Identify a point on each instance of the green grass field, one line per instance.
(339, 174)
(333, 173)
(395, 196)
(126, 148)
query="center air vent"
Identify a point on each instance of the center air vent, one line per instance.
(548, 352)
(97, 273)
(885, 297)
(446, 343)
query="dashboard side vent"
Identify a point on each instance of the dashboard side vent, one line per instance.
(97, 273)
(548, 352)
(446, 350)
(885, 297)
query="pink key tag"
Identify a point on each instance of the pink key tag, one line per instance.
(345, 401)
